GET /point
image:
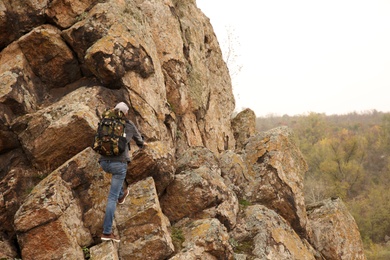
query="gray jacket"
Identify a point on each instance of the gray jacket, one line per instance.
(131, 133)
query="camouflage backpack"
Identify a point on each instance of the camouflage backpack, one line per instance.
(110, 138)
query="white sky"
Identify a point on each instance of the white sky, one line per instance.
(300, 56)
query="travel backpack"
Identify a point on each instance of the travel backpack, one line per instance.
(110, 138)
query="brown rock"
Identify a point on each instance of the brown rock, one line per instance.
(105, 250)
(110, 58)
(195, 97)
(227, 211)
(142, 225)
(234, 172)
(154, 160)
(49, 56)
(194, 254)
(262, 233)
(276, 168)
(204, 239)
(93, 27)
(45, 203)
(53, 135)
(191, 192)
(37, 244)
(200, 190)
(4, 36)
(65, 13)
(51, 209)
(91, 187)
(8, 140)
(243, 126)
(334, 232)
(20, 88)
(196, 157)
(19, 17)
(17, 179)
(209, 85)
(7, 249)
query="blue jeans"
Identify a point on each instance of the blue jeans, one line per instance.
(118, 171)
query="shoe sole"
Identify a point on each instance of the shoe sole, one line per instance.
(124, 199)
(108, 239)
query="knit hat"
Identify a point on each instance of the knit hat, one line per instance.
(122, 107)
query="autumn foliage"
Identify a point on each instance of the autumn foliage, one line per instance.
(348, 157)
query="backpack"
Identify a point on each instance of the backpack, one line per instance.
(110, 138)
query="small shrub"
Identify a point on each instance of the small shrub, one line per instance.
(245, 246)
(87, 254)
(177, 238)
(244, 202)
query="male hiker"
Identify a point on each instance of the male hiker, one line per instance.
(116, 165)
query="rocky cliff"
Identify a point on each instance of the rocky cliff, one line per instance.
(206, 187)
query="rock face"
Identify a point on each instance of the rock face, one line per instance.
(276, 168)
(334, 231)
(206, 187)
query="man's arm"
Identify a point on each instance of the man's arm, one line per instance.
(132, 132)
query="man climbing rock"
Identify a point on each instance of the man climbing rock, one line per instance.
(116, 165)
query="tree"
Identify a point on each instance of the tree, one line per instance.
(348, 156)
(231, 56)
(229, 52)
(342, 163)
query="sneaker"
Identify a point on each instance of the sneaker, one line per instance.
(109, 237)
(122, 199)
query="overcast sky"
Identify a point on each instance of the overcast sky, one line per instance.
(300, 56)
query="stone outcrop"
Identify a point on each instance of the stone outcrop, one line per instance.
(203, 239)
(104, 251)
(276, 168)
(142, 224)
(157, 161)
(56, 133)
(205, 187)
(243, 126)
(65, 205)
(264, 234)
(333, 230)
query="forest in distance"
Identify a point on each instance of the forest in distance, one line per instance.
(348, 156)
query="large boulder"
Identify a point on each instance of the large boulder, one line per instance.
(263, 234)
(276, 169)
(191, 192)
(17, 179)
(71, 201)
(202, 239)
(65, 13)
(198, 190)
(106, 251)
(90, 186)
(19, 17)
(111, 49)
(143, 228)
(49, 57)
(155, 160)
(243, 126)
(20, 91)
(334, 232)
(56, 133)
(234, 172)
(51, 209)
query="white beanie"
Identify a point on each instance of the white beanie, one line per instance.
(122, 107)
